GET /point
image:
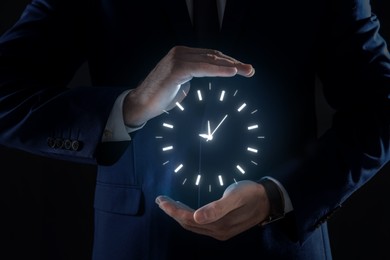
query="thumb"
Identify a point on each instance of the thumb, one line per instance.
(215, 210)
(211, 212)
(180, 96)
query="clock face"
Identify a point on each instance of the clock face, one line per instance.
(211, 139)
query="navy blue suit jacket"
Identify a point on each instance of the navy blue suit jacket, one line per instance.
(288, 42)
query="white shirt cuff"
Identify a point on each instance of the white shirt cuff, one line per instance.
(288, 207)
(115, 129)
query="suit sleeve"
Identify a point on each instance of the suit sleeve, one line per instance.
(38, 57)
(353, 64)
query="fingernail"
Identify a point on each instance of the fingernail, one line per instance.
(200, 217)
(158, 200)
(252, 72)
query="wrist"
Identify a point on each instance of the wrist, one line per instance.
(132, 111)
(276, 201)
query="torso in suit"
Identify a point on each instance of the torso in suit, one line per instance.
(123, 40)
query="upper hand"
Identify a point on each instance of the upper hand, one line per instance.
(165, 84)
(243, 205)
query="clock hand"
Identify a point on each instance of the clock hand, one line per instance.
(220, 123)
(209, 131)
(207, 136)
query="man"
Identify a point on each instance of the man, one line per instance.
(310, 178)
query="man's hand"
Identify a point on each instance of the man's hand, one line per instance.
(243, 205)
(165, 84)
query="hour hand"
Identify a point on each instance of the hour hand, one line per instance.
(207, 136)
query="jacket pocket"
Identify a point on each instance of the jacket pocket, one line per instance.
(118, 199)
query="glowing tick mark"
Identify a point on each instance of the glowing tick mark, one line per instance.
(167, 125)
(255, 163)
(235, 93)
(240, 169)
(166, 112)
(254, 111)
(200, 95)
(184, 181)
(167, 148)
(159, 137)
(220, 180)
(179, 168)
(253, 150)
(261, 137)
(209, 188)
(253, 127)
(197, 180)
(164, 163)
(241, 107)
(209, 85)
(179, 106)
(222, 95)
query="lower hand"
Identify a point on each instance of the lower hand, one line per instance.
(243, 205)
(165, 84)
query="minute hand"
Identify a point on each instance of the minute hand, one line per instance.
(220, 123)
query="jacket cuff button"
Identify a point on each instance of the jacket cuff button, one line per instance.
(75, 145)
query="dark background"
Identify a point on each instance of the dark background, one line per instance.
(46, 205)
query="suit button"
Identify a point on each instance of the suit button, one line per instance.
(50, 142)
(68, 144)
(59, 143)
(75, 145)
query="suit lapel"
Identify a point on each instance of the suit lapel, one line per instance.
(181, 25)
(233, 19)
(180, 21)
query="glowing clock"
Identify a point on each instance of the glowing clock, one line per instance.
(211, 139)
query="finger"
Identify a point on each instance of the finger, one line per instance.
(174, 208)
(182, 50)
(186, 49)
(231, 200)
(165, 200)
(216, 57)
(215, 210)
(182, 213)
(184, 71)
(208, 58)
(181, 94)
(203, 69)
(183, 206)
(244, 69)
